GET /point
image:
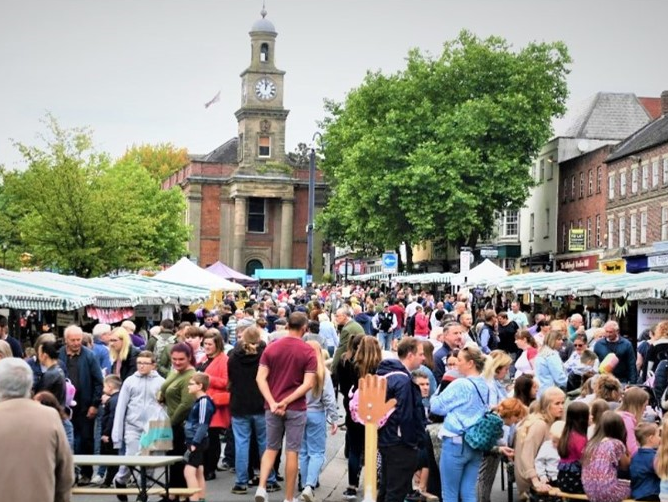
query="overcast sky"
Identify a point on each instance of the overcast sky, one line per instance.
(141, 71)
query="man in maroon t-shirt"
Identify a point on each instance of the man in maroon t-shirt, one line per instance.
(286, 373)
(398, 310)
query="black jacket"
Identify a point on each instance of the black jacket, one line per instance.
(245, 396)
(89, 386)
(407, 424)
(53, 380)
(108, 412)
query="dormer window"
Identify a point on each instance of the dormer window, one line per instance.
(264, 53)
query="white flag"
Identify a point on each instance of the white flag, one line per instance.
(215, 99)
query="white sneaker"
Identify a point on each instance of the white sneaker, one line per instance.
(97, 480)
(260, 495)
(308, 495)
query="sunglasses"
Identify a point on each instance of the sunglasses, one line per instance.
(578, 345)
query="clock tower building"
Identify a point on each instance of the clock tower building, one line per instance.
(262, 116)
(247, 200)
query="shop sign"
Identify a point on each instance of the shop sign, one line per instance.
(651, 312)
(65, 318)
(656, 261)
(573, 264)
(577, 239)
(613, 266)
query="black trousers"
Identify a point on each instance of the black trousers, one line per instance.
(212, 454)
(108, 449)
(84, 437)
(398, 465)
(176, 478)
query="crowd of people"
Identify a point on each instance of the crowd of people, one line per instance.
(579, 404)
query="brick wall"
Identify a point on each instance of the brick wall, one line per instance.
(576, 208)
(649, 201)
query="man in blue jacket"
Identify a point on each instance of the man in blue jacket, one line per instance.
(400, 438)
(625, 370)
(84, 372)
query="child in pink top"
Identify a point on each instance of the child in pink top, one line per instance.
(571, 448)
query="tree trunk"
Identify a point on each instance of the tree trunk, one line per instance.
(409, 257)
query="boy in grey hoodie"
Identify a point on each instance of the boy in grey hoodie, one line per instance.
(137, 403)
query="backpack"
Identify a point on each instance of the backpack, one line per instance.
(161, 343)
(354, 403)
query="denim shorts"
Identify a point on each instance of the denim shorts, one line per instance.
(291, 424)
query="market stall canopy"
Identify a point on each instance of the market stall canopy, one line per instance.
(281, 274)
(178, 294)
(479, 274)
(426, 278)
(222, 270)
(186, 272)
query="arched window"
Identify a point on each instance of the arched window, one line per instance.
(264, 53)
(252, 266)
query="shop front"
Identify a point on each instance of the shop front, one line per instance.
(580, 264)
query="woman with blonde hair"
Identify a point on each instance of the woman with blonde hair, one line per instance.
(531, 434)
(5, 350)
(497, 364)
(634, 402)
(548, 365)
(658, 347)
(123, 353)
(321, 409)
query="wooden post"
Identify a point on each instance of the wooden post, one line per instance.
(372, 407)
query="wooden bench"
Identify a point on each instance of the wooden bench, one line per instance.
(555, 492)
(89, 490)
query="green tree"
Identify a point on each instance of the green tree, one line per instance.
(161, 160)
(74, 210)
(434, 151)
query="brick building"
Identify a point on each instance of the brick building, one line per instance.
(588, 137)
(637, 196)
(247, 201)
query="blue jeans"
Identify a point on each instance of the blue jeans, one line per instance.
(242, 427)
(385, 340)
(459, 470)
(312, 453)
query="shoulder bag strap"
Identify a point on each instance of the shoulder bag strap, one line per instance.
(486, 404)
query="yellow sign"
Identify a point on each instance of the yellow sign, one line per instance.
(577, 239)
(613, 266)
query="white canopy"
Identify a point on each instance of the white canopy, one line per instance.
(486, 271)
(186, 272)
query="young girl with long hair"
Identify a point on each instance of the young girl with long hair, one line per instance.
(604, 455)
(596, 410)
(571, 448)
(633, 406)
(321, 409)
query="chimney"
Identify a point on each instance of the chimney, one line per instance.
(664, 103)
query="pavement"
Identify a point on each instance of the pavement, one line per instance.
(333, 481)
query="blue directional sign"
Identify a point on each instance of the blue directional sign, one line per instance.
(390, 263)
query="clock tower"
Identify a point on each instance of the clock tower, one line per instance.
(261, 118)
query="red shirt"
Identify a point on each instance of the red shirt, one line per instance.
(399, 312)
(288, 359)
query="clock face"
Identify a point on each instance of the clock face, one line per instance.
(265, 89)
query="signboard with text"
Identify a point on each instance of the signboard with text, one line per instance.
(577, 239)
(651, 312)
(584, 263)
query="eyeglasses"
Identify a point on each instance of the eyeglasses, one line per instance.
(578, 345)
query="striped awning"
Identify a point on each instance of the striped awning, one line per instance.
(169, 292)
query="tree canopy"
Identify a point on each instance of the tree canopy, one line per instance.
(75, 210)
(436, 150)
(161, 161)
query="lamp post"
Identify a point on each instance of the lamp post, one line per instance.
(530, 257)
(311, 209)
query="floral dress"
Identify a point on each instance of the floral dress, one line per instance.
(599, 474)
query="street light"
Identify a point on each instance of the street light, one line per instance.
(311, 209)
